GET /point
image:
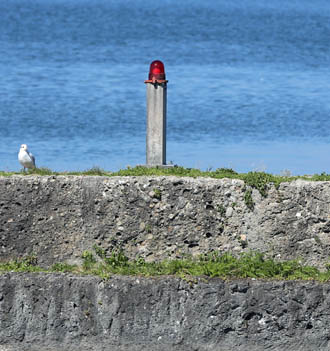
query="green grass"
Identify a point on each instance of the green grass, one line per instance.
(26, 264)
(226, 266)
(258, 180)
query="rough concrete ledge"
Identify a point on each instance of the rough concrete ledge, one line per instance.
(58, 217)
(51, 312)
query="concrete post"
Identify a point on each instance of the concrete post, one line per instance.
(156, 115)
(156, 124)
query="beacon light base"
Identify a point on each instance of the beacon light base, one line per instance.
(156, 81)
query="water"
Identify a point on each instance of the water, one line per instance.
(248, 82)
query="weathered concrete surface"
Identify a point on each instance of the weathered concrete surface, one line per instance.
(57, 218)
(52, 312)
(156, 124)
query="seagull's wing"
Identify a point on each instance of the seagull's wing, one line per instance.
(32, 158)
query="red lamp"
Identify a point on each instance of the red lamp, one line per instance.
(157, 70)
(156, 73)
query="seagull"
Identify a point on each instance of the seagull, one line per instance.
(25, 158)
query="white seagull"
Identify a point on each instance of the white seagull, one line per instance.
(25, 158)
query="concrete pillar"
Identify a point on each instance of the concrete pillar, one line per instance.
(156, 124)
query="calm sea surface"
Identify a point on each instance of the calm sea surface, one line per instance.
(249, 82)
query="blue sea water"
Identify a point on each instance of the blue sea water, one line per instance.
(248, 87)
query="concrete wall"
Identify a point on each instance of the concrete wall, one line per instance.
(57, 218)
(40, 312)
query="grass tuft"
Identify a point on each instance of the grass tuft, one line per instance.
(63, 267)
(96, 171)
(40, 171)
(25, 264)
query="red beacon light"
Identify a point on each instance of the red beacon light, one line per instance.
(156, 72)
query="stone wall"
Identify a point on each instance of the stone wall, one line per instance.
(51, 312)
(58, 217)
